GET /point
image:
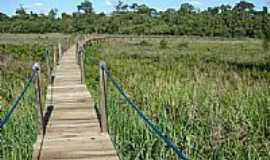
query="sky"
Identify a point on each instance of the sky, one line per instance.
(69, 6)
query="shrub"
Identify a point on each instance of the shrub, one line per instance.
(182, 45)
(145, 43)
(163, 44)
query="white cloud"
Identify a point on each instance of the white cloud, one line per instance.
(39, 4)
(37, 7)
(109, 2)
(196, 2)
(193, 2)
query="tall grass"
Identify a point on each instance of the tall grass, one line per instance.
(210, 98)
(20, 133)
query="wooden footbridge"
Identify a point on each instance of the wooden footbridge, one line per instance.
(72, 129)
(69, 128)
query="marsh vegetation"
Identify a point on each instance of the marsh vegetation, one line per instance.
(210, 97)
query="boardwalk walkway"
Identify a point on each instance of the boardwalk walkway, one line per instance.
(73, 129)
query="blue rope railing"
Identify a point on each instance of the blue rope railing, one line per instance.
(148, 122)
(14, 105)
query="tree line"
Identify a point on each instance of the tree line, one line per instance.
(240, 20)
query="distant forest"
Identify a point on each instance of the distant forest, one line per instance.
(240, 20)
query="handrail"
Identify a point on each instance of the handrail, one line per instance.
(16, 102)
(34, 76)
(142, 115)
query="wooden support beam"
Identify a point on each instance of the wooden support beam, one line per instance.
(38, 91)
(59, 55)
(77, 51)
(82, 55)
(49, 67)
(54, 56)
(103, 97)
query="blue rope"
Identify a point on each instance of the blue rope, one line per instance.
(16, 102)
(152, 126)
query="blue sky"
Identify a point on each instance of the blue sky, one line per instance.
(69, 6)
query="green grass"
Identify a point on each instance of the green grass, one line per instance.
(20, 132)
(47, 39)
(210, 98)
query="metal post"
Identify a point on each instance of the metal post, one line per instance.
(36, 70)
(103, 99)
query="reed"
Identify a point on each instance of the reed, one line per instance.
(211, 98)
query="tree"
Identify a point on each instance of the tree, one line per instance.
(169, 16)
(244, 6)
(33, 15)
(225, 8)
(121, 7)
(144, 9)
(134, 7)
(187, 8)
(53, 13)
(241, 20)
(213, 11)
(21, 11)
(3, 17)
(86, 6)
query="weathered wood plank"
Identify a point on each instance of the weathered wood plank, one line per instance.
(72, 126)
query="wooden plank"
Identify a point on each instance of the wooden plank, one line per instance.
(78, 153)
(72, 126)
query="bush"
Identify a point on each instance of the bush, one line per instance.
(163, 44)
(145, 43)
(182, 45)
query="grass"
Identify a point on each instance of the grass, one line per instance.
(17, 54)
(48, 39)
(20, 133)
(210, 98)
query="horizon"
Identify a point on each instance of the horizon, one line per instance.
(107, 6)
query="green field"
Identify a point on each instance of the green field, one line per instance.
(211, 98)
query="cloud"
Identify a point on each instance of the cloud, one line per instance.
(196, 2)
(193, 2)
(38, 4)
(109, 2)
(37, 7)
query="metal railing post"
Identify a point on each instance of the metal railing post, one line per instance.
(103, 97)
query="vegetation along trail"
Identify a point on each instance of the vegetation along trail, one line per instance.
(211, 99)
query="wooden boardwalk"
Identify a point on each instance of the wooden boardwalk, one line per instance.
(73, 129)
